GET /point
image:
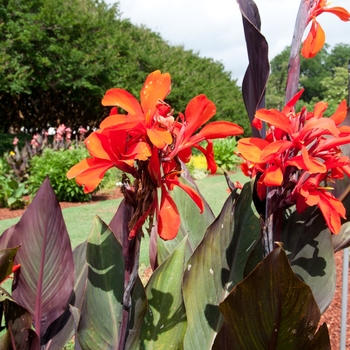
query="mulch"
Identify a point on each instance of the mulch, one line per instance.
(331, 316)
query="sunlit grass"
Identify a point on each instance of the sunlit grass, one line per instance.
(79, 219)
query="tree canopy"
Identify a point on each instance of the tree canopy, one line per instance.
(324, 78)
(58, 57)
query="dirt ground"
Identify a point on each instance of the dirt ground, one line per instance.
(331, 316)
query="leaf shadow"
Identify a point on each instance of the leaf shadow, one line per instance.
(303, 241)
(106, 266)
(162, 303)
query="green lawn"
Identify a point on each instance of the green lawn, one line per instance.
(79, 219)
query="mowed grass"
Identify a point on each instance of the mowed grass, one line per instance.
(79, 219)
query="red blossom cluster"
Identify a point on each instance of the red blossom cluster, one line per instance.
(148, 143)
(301, 156)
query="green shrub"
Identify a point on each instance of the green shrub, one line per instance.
(55, 165)
(11, 191)
(224, 153)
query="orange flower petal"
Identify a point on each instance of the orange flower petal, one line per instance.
(273, 149)
(89, 172)
(275, 118)
(251, 148)
(314, 41)
(159, 137)
(156, 87)
(215, 130)
(307, 163)
(340, 12)
(169, 218)
(123, 99)
(340, 114)
(122, 121)
(289, 107)
(319, 109)
(273, 176)
(139, 150)
(332, 209)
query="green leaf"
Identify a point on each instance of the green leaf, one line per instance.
(101, 309)
(308, 244)
(342, 239)
(193, 223)
(102, 304)
(272, 309)
(217, 266)
(165, 322)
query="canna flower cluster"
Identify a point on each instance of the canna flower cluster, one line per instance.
(300, 158)
(149, 144)
(316, 36)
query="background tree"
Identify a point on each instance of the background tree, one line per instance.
(58, 57)
(323, 78)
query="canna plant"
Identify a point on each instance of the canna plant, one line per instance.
(247, 279)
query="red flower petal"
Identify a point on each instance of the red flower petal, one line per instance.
(190, 191)
(169, 218)
(198, 111)
(209, 156)
(98, 146)
(289, 107)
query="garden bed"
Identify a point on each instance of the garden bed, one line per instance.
(331, 316)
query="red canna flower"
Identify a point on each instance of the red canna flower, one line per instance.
(316, 36)
(107, 148)
(300, 151)
(149, 143)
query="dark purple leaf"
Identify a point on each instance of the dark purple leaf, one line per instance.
(19, 321)
(123, 215)
(61, 330)
(273, 309)
(46, 278)
(256, 76)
